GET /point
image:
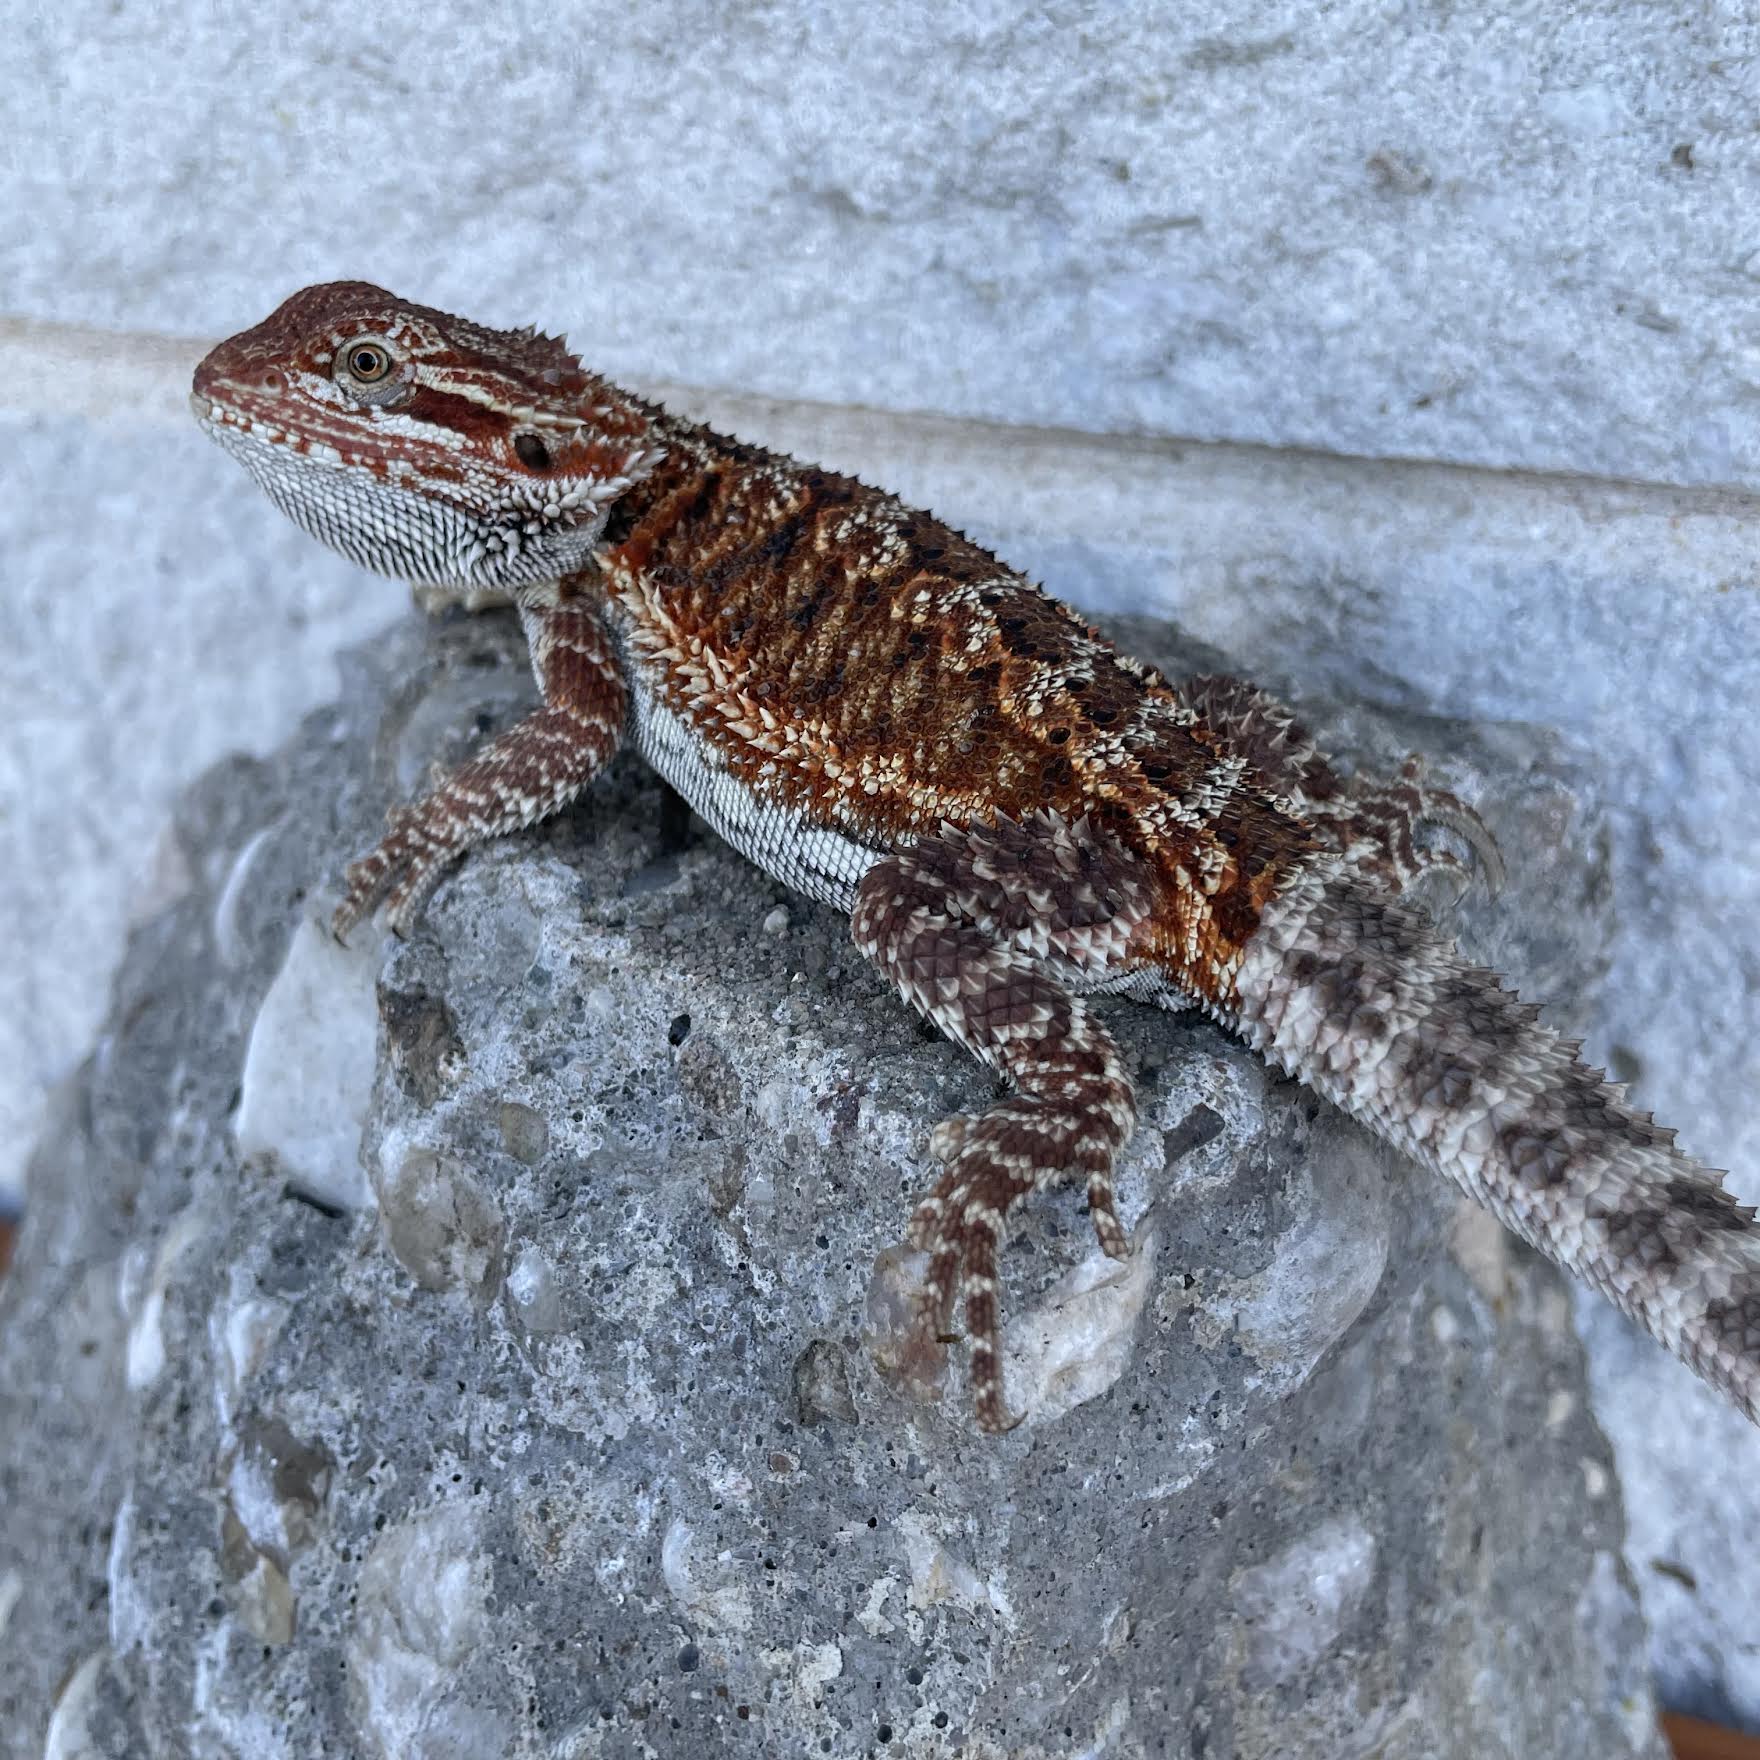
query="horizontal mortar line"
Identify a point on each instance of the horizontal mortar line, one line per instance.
(56, 369)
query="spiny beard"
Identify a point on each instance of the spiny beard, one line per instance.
(413, 536)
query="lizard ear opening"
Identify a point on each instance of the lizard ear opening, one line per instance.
(532, 451)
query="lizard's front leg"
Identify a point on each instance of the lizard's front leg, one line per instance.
(521, 776)
(976, 928)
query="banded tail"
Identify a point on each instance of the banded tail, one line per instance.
(1362, 999)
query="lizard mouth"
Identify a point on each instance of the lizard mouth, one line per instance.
(381, 524)
(239, 432)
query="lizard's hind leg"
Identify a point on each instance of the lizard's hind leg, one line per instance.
(977, 928)
(521, 776)
(1372, 824)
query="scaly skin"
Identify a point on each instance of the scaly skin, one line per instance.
(1013, 813)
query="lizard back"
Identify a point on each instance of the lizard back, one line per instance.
(827, 675)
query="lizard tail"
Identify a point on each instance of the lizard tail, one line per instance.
(1362, 999)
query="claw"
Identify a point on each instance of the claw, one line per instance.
(401, 873)
(1442, 895)
(1374, 826)
(947, 1137)
(1449, 813)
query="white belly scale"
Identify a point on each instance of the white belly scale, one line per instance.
(818, 860)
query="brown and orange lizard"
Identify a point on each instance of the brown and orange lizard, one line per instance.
(1014, 814)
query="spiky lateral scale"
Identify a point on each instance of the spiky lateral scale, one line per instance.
(1363, 1000)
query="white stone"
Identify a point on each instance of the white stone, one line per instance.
(308, 1073)
(1074, 1342)
(532, 1290)
(1294, 1606)
(938, 1574)
(708, 1591)
(238, 1336)
(68, 1737)
(146, 1305)
(1328, 1262)
(420, 1605)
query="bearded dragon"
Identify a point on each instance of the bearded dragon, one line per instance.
(1014, 815)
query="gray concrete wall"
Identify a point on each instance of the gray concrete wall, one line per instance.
(1148, 297)
(1515, 236)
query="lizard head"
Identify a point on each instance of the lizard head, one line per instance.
(421, 445)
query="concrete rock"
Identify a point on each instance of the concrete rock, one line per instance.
(576, 1439)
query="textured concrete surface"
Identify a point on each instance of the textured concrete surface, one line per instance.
(1503, 236)
(575, 1435)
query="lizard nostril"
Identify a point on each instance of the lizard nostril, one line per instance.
(271, 379)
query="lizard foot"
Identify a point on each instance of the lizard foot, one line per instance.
(401, 871)
(521, 776)
(1377, 827)
(1005, 1155)
(960, 924)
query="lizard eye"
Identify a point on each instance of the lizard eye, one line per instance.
(533, 453)
(366, 362)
